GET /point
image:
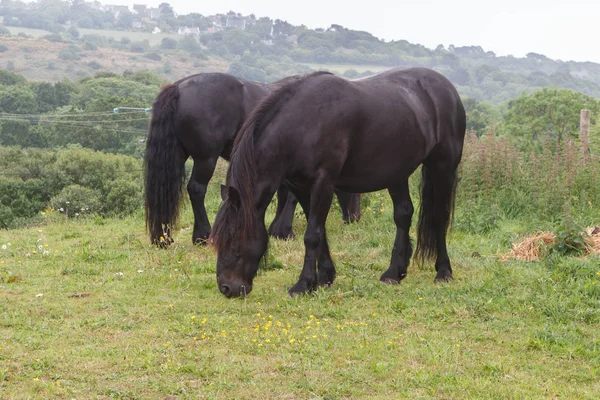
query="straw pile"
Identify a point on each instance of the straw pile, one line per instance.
(593, 240)
(532, 248)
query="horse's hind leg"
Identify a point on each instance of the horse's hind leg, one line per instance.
(202, 172)
(444, 189)
(403, 211)
(281, 227)
(437, 198)
(350, 205)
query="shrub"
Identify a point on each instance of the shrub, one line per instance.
(153, 56)
(53, 37)
(76, 200)
(7, 217)
(70, 53)
(91, 46)
(95, 65)
(168, 43)
(74, 32)
(3, 48)
(124, 197)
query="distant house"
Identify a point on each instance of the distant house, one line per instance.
(185, 31)
(156, 30)
(235, 22)
(154, 13)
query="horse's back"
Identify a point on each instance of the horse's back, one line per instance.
(211, 109)
(380, 129)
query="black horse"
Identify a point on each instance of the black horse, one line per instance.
(321, 132)
(199, 116)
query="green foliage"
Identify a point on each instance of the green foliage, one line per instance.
(168, 44)
(95, 65)
(53, 37)
(95, 182)
(17, 99)
(124, 197)
(569, 241)
(76, 200)
(8, 78)
(188, 43)
(90, 46)
(480, 116)
(154, 56)
(548, 114)
(497, 183)
(74, 32)
(70, 52)
(243, 71)
(167, 68)
(17, 132)
(99, 88)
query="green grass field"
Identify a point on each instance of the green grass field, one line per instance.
(89, 310)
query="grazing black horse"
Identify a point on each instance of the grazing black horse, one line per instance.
(199, 116)
(321, 132)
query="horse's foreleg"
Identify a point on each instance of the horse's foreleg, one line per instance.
(403, 212)
(321, 195)
(281, 227)
(202, 172)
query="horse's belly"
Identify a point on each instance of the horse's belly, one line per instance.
(382, 174)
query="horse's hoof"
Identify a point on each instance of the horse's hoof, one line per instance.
(301, 288)
(200, 242)
(326, 277)
(389, 281)
(282, 235)
(163, 244)
(446, 278)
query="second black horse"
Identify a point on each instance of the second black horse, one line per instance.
(199, 116)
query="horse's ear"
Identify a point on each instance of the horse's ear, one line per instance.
(223, 192)
(234, 197)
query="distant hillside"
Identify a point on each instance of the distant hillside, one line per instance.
(43, 60)
(259, 49)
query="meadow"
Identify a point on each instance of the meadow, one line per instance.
(88, 309)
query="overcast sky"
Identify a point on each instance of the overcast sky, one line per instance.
(565, 30)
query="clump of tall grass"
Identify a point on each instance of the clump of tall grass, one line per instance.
(548, 188)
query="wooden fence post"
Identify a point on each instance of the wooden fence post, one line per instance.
(584, 134)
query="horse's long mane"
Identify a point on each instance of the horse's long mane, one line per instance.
(242, 168)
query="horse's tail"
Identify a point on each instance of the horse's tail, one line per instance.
(164, 168)
(438, 192)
